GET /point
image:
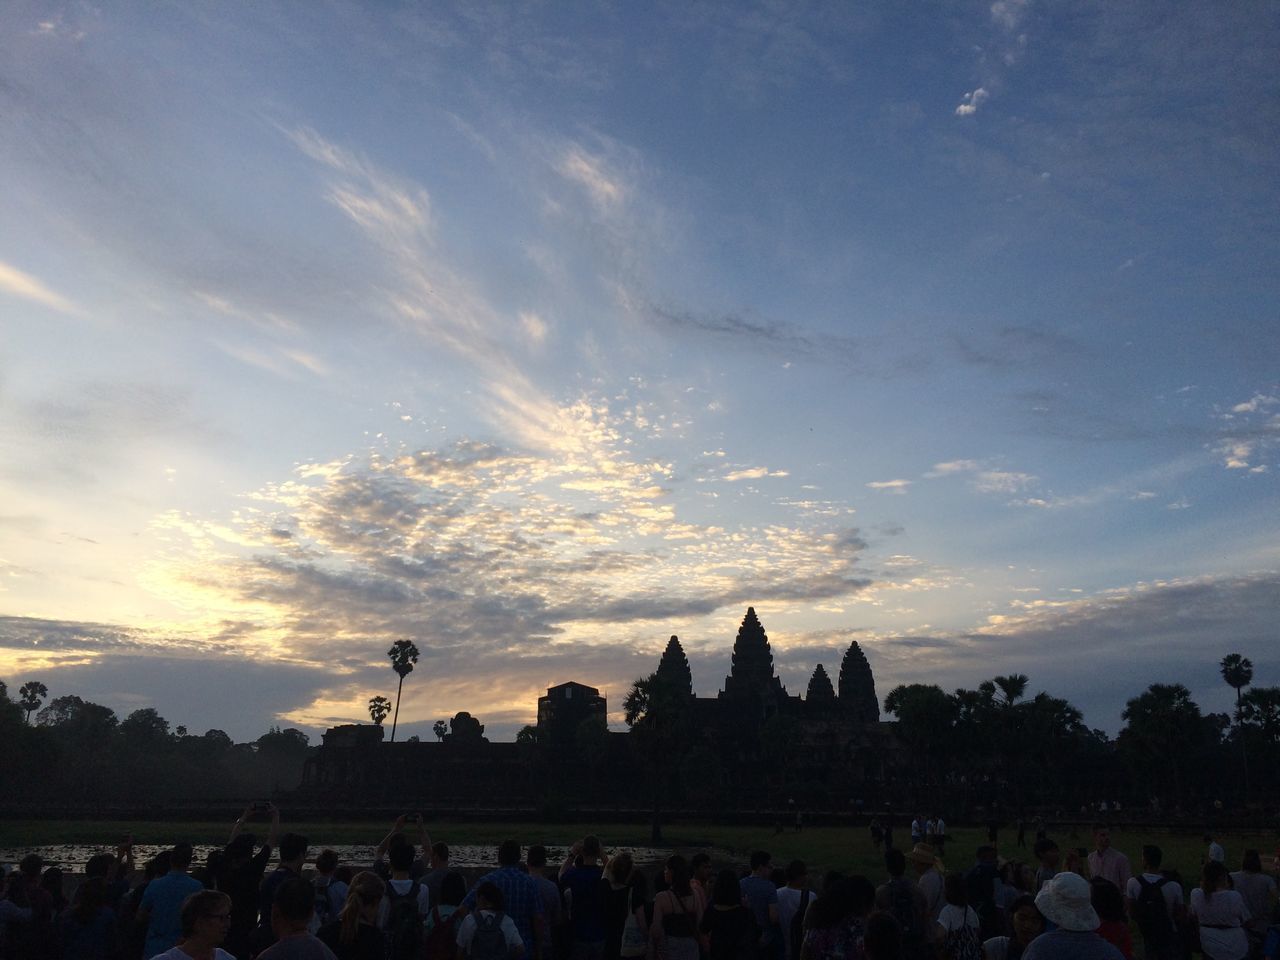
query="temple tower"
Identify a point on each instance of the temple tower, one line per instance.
(752, 671)
(820, 689)
(857, 686)
(674, 668)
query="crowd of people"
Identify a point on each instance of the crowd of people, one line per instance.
(409, 903)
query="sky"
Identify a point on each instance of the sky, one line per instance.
(537, 333)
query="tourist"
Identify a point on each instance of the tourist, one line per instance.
(521, 898)
(834, 927)
(1113, 926)
(552, 901)
(1221, 915)
(635, 933)
(440, 929)
(941, 836)
(582, 877)
(1214, 851)
(957, 924)
(1046, 852)
(353, 934)
(882, 938)
(1106, 861)
(438, 866)
(1027, 923)
(241, 875)
(793, 901)
(203, 920)
(161, 908)
(487, 933)
(87, 931)
(980, 883)
(761, 896)
(877, 833)
(1257, 890)
(291, 911)
(1155, 905)
(1076, 861)
(132, 933)
(617, 902)
(405, 906)
(728, 927)
(396, 835)
(907, 904)
(293, 854)
(677, 914)
(331, 893)
(1065, 902)
(917, 829)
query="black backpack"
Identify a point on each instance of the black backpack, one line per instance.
(902, 905)
(796, 932)
(404, 923)
(489, 942)
(1150, 912)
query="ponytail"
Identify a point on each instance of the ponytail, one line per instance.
(366, 889)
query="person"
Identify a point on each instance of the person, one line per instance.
(240, 875)
(1046, 852)
(291, 910)
(1257, 890)
(552, 901)
(521, 897)
(877, 833)
(929, 878)
(677, 914)
(396, 835)
(1155, 905)
(406, 904)
(203, 920)
(34, 936)
(700, 865)
(487, 933)
(1065, 902)
(1027, 923)
(728, 927)
(940, 846)
(14, 913)
(353, 934)
(917, 829)
(582, 876)
(1106, 861)
(331, 893)
(1022, 831)
(87, 931)
(882, 937)
(635, 932)
(617, 903)
(1221, 915)
(761, 897)
(958, 925)
(980, 882)
(1108, 903)
(438, 863)
(160, 911)
(834, 928)
(440, 929)
(904, 901)
(793, 901)
(1215, 850)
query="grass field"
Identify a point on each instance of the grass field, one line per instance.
(822, 848)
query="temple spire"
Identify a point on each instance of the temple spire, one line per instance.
(857, 686)
(752, 670)
(674, 667)
(820, 688)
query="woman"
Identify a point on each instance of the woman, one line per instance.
(834, 921)
(677, 914)
(635, 932)
(440, 929)
(958, 922)
(87, 931)
(1113, 924)
(728, 926)
(1221, 914)
(1027, 922)
(354, 935)
(617, 902)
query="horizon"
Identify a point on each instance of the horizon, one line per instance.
(538, 336)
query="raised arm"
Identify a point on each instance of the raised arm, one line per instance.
(569, 860)
(386, 841)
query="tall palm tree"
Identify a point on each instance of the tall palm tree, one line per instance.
(1237, 671)
(1012, 687)
(403, 656)
(30, 695)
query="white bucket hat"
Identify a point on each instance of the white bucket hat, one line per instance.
(1065, 901)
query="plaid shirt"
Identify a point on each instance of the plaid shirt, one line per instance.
(522, 900)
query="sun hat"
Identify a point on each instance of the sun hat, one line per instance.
(922, 853)
(1065, 901)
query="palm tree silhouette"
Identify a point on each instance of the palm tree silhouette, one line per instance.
(379, 707)
(1237, 671)
(403, 656)
(30, 695)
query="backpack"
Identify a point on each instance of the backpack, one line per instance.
(324, 911)
(1150, 912)
(962, 943)
(796, 933)
(442, 940)
(489, 942)
(404, 923)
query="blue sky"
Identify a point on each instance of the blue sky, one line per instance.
(539, 333)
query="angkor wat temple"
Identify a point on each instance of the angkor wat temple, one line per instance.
(753, 746)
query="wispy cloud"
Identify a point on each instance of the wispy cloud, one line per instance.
(971, 102)
(893, 486)
(24, 286)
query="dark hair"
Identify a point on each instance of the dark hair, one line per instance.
(954, 891)
(1153, 856)
(1212, 875)
(158, 865)
(698, 859)
(796, 870)
(453, 889)
(327, 862)
(591, 845)
(202, 903)
(508, 853)
(620, 868)
(440, 850)
(864, 895)
(31, 865)
(489, 890)
(99, 865)
(536, 856)
(1025, 900)
(882, 937)
(400, 856)
(180, 857)
(760, 858)
(1251, 862)
(778, 877)
(1106, 899)
(895, 861)
(292, 846)
(639, 889)
(345, 873)
(680, 875)
(986, 851)
(295, 900)
(1043, 846)
(726, 892)
(90, 898)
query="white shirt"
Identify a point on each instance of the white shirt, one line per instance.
(467, 931)
(931, 884)
(1217, 853)
(1172, 892)
(788, 904)
(1226, 910)
(953, 918)
(402, 887)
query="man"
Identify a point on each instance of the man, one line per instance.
(793, 901)
(161, 909)
(552, 903)
(205, 919)
(1257, 890)
(331, 894)
(522, 900)
(903, 899)
(940, 846)
(929, 879)
(917, 829)
(395, 834)
(1064, 901)
(240, 876)
(1215, 851)
(439, 866)
(293, 854)
(1048, 854)
(700, 864)
(980, 887)
(405, 906)
(581, 876)
(291, 910)
(1107, 862)
(761, 897)
(1155, 905)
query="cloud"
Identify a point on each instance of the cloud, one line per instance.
(893, 486)
(1008, 14)
(982, 478)
(754, 473)
(15, 283)
(971, 101)
(605, 188)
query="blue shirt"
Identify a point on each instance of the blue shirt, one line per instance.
(163, 900)
(522, 900)
(588, 902)
(759, 893)
(1070, 945)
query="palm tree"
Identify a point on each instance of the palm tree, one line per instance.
(1012, 687)
(30, 695)
(403, 656)
(441, 728)
(1237, 671)
(379, 707)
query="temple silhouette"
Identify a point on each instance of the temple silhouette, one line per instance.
(752, 747)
